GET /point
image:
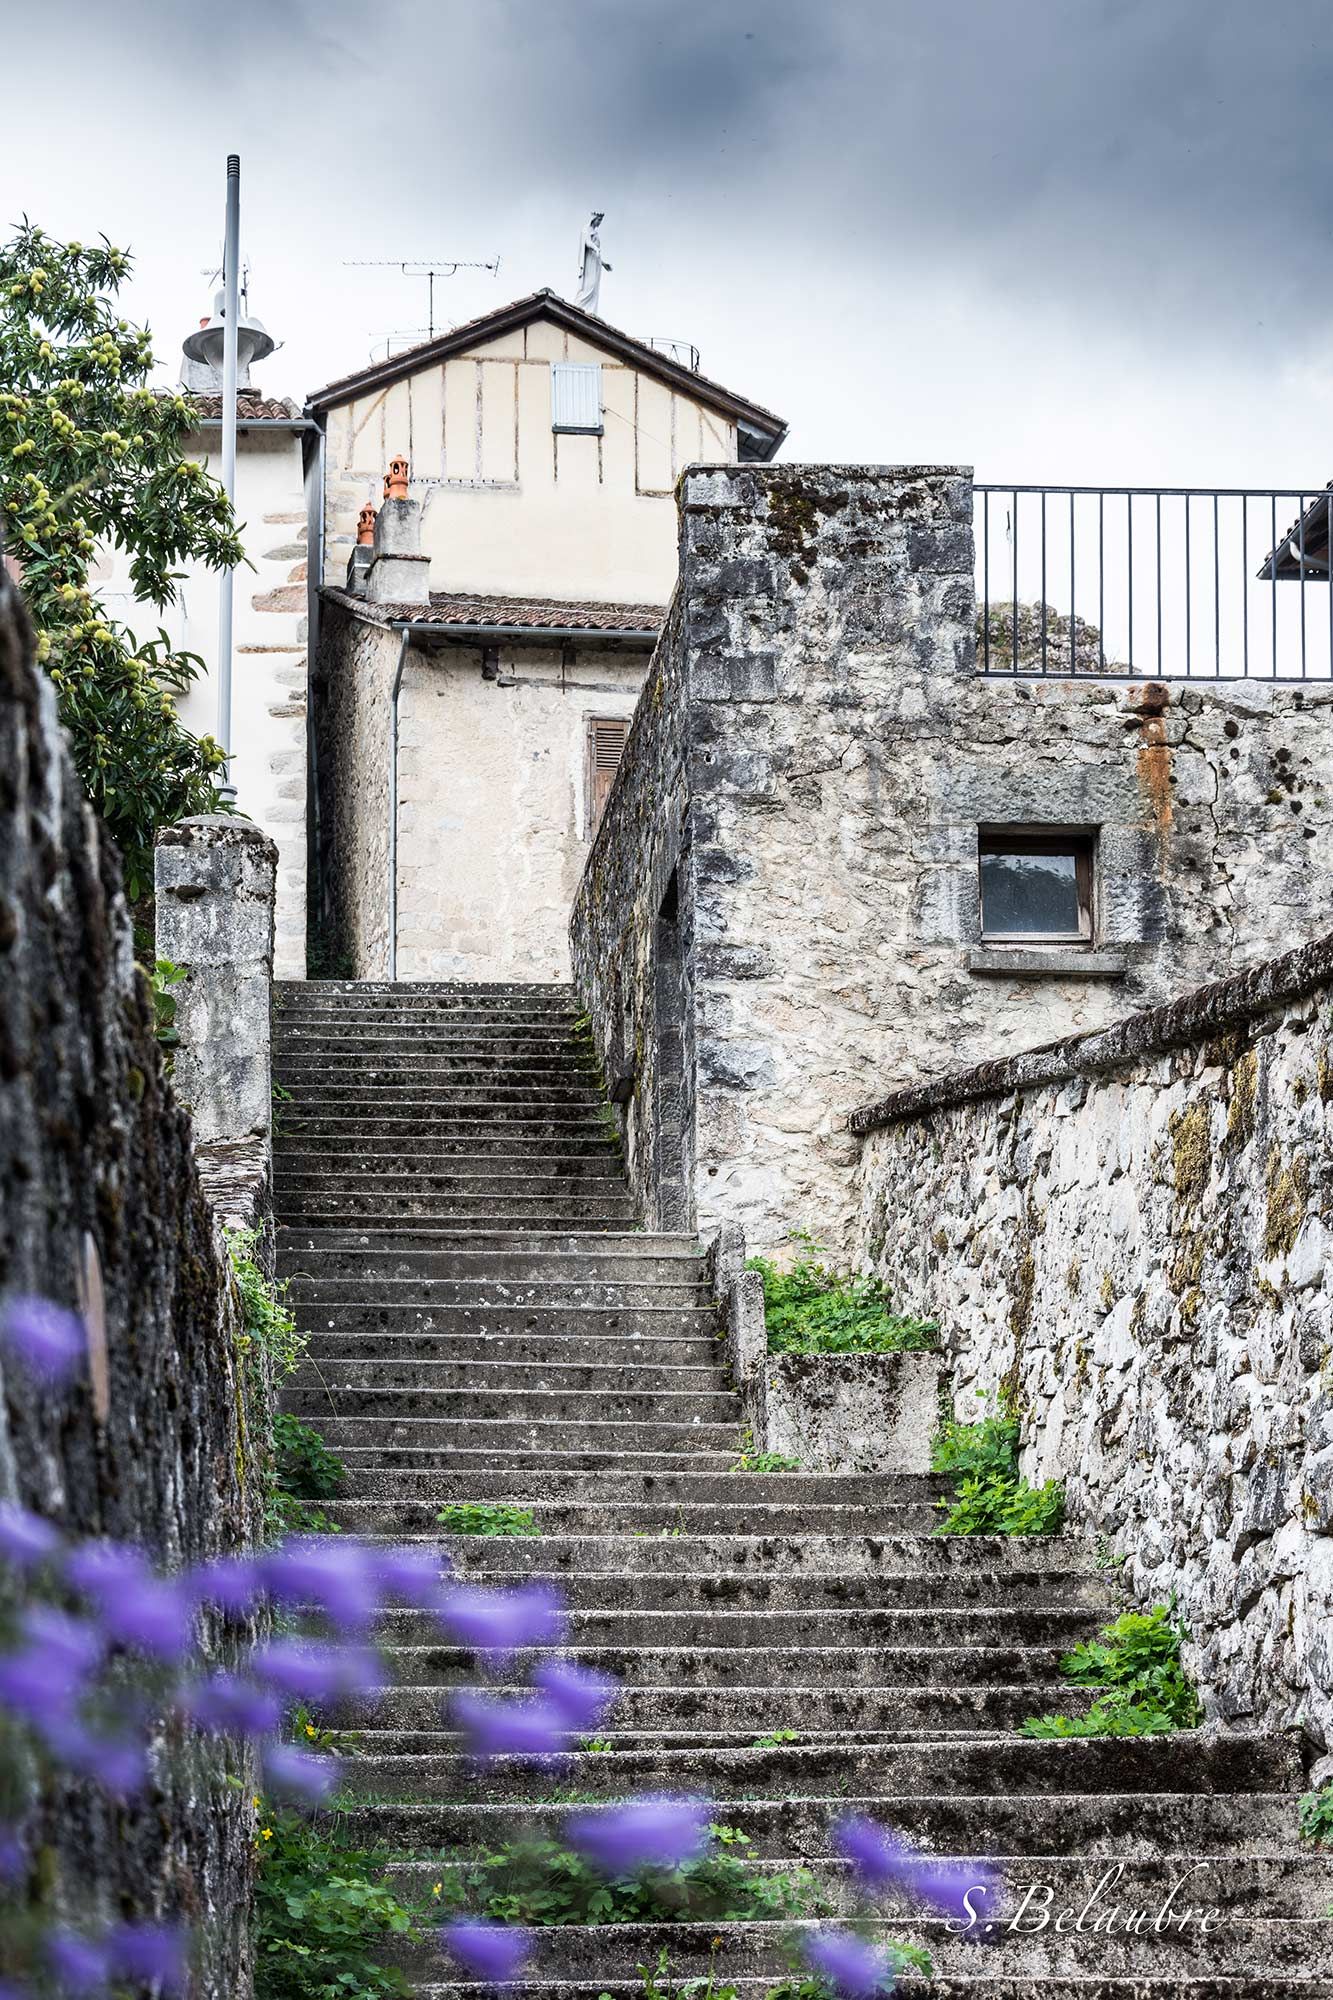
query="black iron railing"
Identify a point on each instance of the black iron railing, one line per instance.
(1154, 583)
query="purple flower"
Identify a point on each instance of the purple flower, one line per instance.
(44, 1682)
(315, 1670)
(13, 1857)
(151, 1954)
(879, 1858)
(232, 1583)
(119, 1764)
(412, 1576)
(494, 1953)
(507, 1728)
(332, 1575)
(299, 1775)
(855, 1969)
(883, 1860)
(499, 1623)
(26, 1540)
(50, 1342)
(654, 1831)
(226, 1705)
(80, 1967)
(138, 1609)
(946, 1886)
(579, 1696)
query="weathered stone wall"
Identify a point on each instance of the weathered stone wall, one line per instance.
(100, 1203)
(633, 967)
(1127, 1238)
(353, 702)
(839, 754)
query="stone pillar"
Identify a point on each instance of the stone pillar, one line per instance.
(214, 883)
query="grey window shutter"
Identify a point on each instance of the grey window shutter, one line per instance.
(606, 746)
(576, 396)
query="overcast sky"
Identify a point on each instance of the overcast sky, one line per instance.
(1072, 240)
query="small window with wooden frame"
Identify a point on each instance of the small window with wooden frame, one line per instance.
(1037, 884)
(605, 748)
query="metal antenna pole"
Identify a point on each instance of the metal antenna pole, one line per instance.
(231, 314)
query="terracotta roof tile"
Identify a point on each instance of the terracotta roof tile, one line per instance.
(249, 408)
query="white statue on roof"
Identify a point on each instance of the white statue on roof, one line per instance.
(591, 265)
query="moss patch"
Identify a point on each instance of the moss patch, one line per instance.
(1190, 1151)
(1288, 1194)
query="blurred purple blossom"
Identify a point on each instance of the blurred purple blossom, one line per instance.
(580, 1696)
(412, 1576)
(26, 1540)
(493, 1953)
(48, 1340)
(882, 1860)
(654, 1831)
(231, 1583)
(151, 1954)
(298, 1774)
(334, 1576)
(81, 1967)
(496, 1728)
(45, 1680)
(13, 1857)
(315, 1669)
(138, 1609)
(227, 1705)
(500, 1623)
(856, 1969)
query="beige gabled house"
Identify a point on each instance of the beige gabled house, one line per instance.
(478, 662)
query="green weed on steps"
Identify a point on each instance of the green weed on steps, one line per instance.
(814, 1309)
(538, 1882)
(1316, 1816)
(991, 1496)
(484, 1517)
(323, 1915)
(305, 1472)
(1136, 1660)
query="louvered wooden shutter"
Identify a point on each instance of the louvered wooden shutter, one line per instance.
(576, 396)
(606, 745)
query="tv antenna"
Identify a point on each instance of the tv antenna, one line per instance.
(429, 268)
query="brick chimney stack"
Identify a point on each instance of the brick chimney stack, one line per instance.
(398, 572)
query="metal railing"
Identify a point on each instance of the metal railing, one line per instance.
(683, 352)
(1154, 582)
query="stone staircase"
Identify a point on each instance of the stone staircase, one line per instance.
(487, 1324)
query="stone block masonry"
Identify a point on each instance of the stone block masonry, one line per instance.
(1126, 1237)
(811, 763)
(101, 1206)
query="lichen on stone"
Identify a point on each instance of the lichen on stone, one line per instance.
(1190, 1150)
(1288, 1189)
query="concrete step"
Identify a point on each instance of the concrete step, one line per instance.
(482, 1405)
(1258, 1885)
(605, 1488)
(508, 1151)
(408, 1515)
(414, 1721)
(610, 1373)
(555, 1174)
(1262, 1946)
(1014, 1767)
(600, 1598)
(569, 1350)
(487, 1322)
(303, 1051)
(356, 1097)
(809, 1555)
(758, 1668)
(933, 1641)
(484, 1124)
(910, 1986)
(1139, 1822)
(549, 1439)
(600, 1216)
(646, 1254)
(313, 1291)
(488, 1376)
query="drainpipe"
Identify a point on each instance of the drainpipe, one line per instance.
(404, 641)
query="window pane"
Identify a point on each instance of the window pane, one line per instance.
(1029, 894)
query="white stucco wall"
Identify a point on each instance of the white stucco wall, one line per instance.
(509, 505)
(493, 806)
(268, 766)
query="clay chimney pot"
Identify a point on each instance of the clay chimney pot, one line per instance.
(395, 484)
(365, 526)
